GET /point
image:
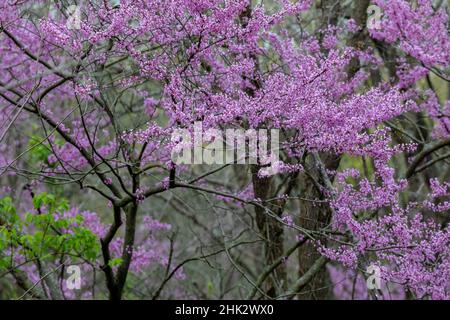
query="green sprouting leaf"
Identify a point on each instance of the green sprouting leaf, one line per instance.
(45, 199)
(39, 150)
(210, 288)
(8, 211)
(38, 200)
(63, 205)
(62, 223)
(115, 262)
(43, 235)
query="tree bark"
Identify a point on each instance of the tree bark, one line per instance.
(272, 231)
(313, 216)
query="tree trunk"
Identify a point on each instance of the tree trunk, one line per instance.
(313, 216)
(272, 231)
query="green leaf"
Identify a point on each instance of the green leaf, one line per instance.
(115, 262)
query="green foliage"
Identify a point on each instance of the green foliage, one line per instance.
(115, 262)
(7, 211)
(47, 234)
(39, 151)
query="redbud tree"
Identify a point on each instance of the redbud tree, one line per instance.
(92, 92)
